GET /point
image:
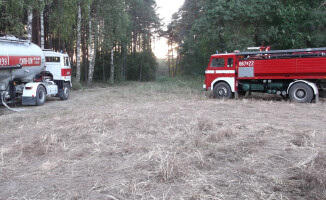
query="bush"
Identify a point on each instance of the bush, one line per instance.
(76, 85)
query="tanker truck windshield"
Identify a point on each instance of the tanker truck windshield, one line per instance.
(53, 59)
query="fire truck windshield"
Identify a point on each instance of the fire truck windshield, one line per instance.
(217, 62)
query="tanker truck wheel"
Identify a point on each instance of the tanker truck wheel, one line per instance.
(301, 93)
(65, 94)
(40, 95)
(222, 91)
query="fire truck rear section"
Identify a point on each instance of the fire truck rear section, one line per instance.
(298, 74)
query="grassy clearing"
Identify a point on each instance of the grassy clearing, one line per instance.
(163, 140)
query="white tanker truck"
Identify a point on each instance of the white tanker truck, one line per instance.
(30, 74)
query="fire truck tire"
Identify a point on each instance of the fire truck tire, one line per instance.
(222, 90)
(65, 94)
(40, 95)
(301, 93)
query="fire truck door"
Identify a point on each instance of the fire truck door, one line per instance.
(225, 67)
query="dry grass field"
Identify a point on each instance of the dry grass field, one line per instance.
(163, 141)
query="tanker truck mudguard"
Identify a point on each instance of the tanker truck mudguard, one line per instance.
(30, 74)
(297, 74)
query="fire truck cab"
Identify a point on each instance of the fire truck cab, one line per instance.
(220, 75)
(299, 74)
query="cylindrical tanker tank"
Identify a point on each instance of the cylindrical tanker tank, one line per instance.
(14, 52)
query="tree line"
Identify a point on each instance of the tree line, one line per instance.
(108, 40)
(202, 27)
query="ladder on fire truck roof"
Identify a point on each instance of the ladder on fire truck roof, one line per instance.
(282, 51)
(284, 54)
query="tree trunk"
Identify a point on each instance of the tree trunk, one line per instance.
(169, 58)
(29, 23)
(141, 66)
(124, 61)
(103, 69)
(112, 68)
(134, 42)
(36, 28)
(92, 65)
(125, 64)
(173, 62)
(78, 43)
(90, 38)
(42, 28)
(84, 49)
(93, 41)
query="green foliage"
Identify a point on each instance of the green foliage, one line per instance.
(179, 85)
(142, 66)
(77, 86)
(116, 23)
(202, 27)
(11, 15)
(124, 26)
(63, 22)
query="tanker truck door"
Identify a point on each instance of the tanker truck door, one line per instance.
(53, 65)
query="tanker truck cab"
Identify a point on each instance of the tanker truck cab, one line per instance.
(221, 79)
(58, 65)
(55, 80)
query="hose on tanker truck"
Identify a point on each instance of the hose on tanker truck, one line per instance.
(4, 103)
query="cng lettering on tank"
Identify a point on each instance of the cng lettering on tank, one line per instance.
(30, 61)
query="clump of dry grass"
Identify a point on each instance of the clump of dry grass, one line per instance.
(301, 139)
(307, 180)
(220, 135)
(205, 125)
(169, 167)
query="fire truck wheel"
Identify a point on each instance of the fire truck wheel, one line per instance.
(301, 93)
(222, 91)
(65, 94)
(40, 95)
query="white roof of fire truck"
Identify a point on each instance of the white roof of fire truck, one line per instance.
(50, 52)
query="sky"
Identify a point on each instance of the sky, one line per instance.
(166, 8)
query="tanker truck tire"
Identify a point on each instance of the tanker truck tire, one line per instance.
(301, 93)
(222, 90)
(40, 95)
(65, 94)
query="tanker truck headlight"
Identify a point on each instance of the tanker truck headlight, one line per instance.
(6, 96)
(2, 86)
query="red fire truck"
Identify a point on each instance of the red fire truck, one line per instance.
(299, 74)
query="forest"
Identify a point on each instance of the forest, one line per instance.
(111, 40)
(107, 40)
(202, 27)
